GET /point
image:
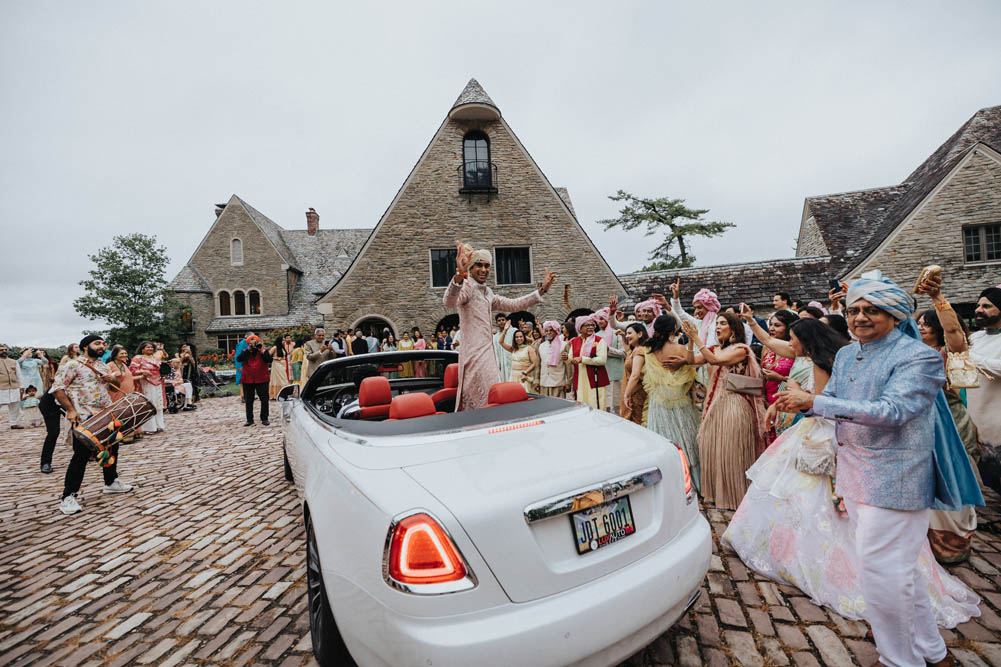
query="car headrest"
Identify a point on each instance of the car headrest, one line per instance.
(408, 406)
(506, 392)
(451, 376)
(374, 390)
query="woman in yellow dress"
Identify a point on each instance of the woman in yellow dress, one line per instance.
(406, 344)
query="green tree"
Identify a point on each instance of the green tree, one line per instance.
(681, 223)
(128, 290)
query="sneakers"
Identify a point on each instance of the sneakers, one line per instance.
(46, 468)
(69, 505)
(249, 424)
(118, 486)
(266, 422)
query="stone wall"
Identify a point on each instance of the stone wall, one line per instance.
(934, 235)
(202, 310)
(810, 242)
(391, 278)
(263, 268)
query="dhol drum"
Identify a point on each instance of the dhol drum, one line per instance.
(109, 426)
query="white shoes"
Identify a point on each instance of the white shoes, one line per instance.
(69, 505)
(118, 486)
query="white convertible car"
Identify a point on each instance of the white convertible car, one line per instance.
(534, 531)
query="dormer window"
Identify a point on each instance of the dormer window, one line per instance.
(478, 174)
(236, 252)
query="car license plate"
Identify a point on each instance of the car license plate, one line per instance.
(602, 524)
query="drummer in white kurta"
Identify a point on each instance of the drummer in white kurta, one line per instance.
(475, 301)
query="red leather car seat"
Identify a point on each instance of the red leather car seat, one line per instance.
(374, 397)
(503, 393)
(451, 385)
(409, 406)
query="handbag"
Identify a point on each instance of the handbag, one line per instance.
(961, 372)
(743, 384)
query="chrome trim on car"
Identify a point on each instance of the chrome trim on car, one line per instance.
(466, 583)
(579, 499)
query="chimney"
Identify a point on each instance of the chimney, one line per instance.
(218, 209)
(312, 221)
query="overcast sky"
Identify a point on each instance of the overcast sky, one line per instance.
(119, 117)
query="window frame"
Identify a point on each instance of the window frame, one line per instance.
(228, 336)
(232, 261)
(260, 303)
(496, 265)
(431, 266)
(229, 303)
(474, 135)
(243, 299)
(981, 230)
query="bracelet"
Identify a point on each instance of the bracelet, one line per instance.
(945, 305)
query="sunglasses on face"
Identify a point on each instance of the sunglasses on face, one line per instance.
(870, 311)
(482, 265)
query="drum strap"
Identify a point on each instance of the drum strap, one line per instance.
(98, 374)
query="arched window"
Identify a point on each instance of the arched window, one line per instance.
(236, 252)
(224, 307)
(476, 160)
(239, 303)
(255, 302)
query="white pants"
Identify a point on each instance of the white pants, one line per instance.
(154, 393)
(14, 412)
(614, 396)
(897, 606)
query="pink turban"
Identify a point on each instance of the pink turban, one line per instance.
(649, 303)
(581, 321)
(817, 305)
(708, 299)
(607, 332)
(556, 346)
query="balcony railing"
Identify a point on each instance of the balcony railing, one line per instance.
(477, 176)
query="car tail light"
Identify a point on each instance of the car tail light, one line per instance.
(689, 495)
(422, 558)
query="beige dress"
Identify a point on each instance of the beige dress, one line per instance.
(520, 363)
(731, 431)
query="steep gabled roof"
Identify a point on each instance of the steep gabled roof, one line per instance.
(272, 231)
(747, 282)
(848, 221)
(189, 280)
(853, 224)
(565, 196)
(325, 257)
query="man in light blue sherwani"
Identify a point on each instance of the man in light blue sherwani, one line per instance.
(883, 396)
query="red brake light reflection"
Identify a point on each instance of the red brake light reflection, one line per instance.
(422, 553)
(688, 473)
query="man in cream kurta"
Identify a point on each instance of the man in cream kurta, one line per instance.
(985, 401)
(468, 293)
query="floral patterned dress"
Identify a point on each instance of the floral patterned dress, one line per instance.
(788, 529)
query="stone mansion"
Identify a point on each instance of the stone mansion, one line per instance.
(476, 182)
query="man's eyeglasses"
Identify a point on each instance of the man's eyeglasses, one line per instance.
(870, 311)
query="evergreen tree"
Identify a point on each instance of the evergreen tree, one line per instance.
(680, 222)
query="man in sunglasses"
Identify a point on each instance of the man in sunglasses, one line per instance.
(896, 440)
(469, 294)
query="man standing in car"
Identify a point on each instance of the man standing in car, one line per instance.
(475, 301)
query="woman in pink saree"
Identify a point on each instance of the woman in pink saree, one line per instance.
(469, 294)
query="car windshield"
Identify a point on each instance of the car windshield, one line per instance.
(356, 394)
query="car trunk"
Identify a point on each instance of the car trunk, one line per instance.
(488, 489)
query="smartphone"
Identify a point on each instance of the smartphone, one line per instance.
(834, 284)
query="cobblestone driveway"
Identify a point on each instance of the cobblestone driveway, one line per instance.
(204, 563)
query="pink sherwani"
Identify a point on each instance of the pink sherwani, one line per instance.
(477, 358)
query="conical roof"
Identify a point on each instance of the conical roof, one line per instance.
(474, 103)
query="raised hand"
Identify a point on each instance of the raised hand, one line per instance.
(659, 298)
(676, 288)
(746, 312)
(613, 305)
(548, 278)
(463, 256)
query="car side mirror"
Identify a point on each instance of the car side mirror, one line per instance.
(288, 392)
